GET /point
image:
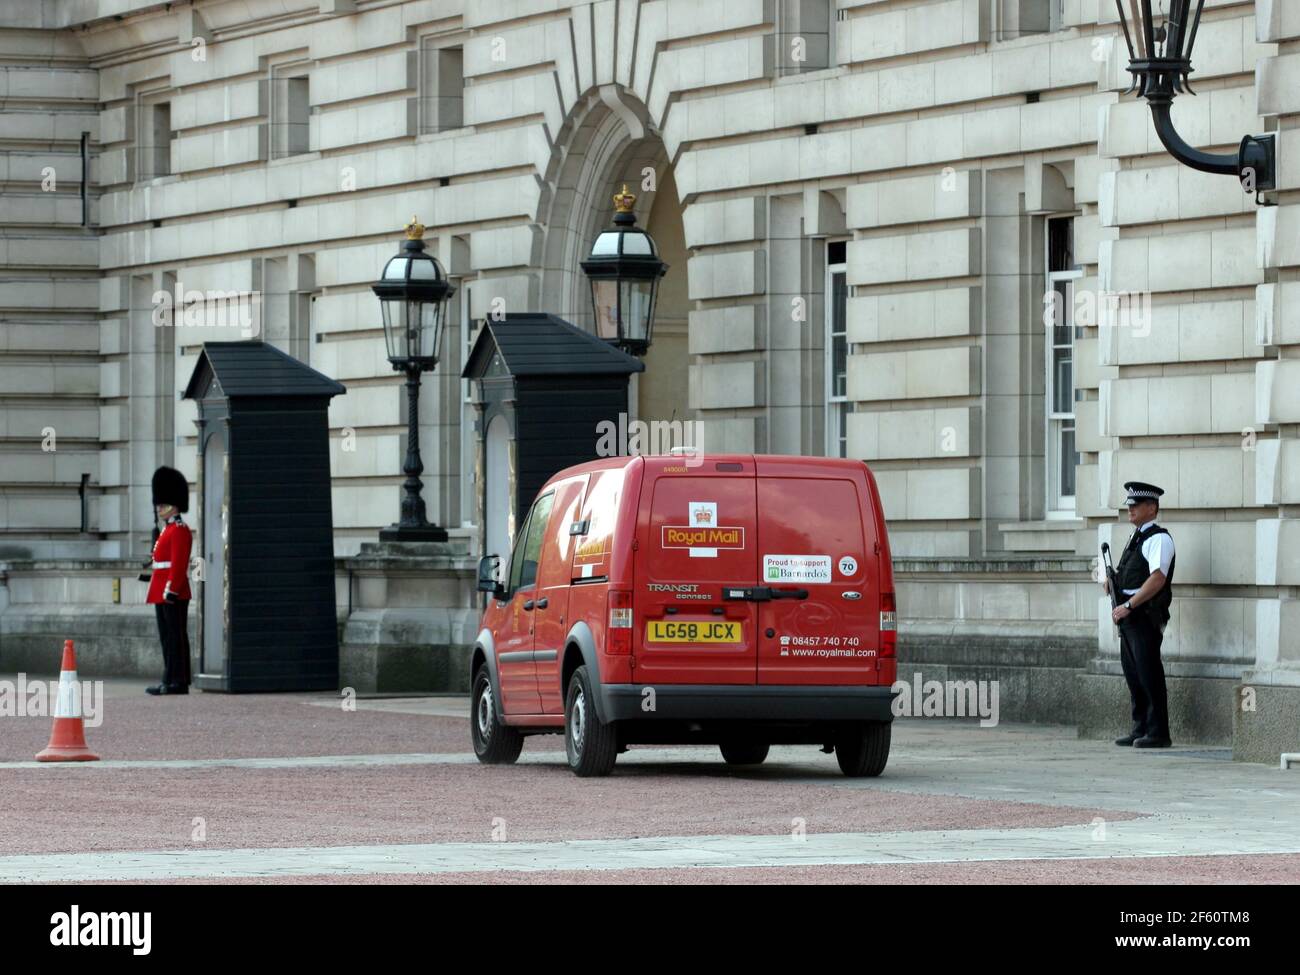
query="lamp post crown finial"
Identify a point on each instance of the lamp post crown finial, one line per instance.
(624, 201)
(415, 229)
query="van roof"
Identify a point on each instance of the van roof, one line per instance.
(788, 464)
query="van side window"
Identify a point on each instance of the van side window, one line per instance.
(533, 546)
(517, 557)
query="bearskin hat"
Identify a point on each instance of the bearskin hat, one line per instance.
(170, 487)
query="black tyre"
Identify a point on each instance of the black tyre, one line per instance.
(744, 752)
(862, 749)
(494, 743)
(592, 745)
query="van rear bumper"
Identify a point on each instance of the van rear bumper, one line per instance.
(623, 702)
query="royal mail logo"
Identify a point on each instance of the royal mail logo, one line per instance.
(684, 536)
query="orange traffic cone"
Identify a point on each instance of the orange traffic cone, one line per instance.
(68, 739)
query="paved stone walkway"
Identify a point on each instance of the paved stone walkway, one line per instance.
(1130, 806)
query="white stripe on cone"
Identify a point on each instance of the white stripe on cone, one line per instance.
(68, 704)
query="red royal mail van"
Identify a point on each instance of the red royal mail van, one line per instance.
(736, 600)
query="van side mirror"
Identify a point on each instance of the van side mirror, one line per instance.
(487, 576)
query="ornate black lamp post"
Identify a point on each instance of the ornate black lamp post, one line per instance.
(1160, 60)
(624, 269)
(413, 293)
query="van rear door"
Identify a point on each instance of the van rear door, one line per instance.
(696, 535)
(817, 551)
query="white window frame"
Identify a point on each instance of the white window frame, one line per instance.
(1058, 505)
(837, 405)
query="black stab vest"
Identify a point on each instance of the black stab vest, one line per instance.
(1133, 571)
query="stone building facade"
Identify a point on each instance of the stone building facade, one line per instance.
(863, 202)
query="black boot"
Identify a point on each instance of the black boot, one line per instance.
(1153, 741)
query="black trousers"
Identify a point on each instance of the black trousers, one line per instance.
(174, 633)
(1139, 655)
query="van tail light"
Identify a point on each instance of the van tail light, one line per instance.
(888, 626)
(618, 638)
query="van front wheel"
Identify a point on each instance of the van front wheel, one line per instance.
(495, 743)
(592, 745)
(862, 748)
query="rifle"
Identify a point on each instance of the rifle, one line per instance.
(1110, 576)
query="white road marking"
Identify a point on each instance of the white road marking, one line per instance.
(1158, 836)
(302, 761)
(549, 757)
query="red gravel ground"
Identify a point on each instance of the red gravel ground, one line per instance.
(200, 725)
(72, 809)
(1257, 869)
(50, 810)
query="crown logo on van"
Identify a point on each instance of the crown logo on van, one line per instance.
(704, 516)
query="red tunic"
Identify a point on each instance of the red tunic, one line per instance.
(171, 562)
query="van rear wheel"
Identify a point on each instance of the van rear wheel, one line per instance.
(862, 748)
(495, 743)
(744, 752)
(592, 745)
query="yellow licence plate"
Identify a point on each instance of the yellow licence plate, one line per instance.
(712, 631)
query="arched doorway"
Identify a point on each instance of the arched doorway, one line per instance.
(608, 141)
(496, 500)
(213, 550)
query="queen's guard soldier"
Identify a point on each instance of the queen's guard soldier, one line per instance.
(169, 583)
(1145, 578)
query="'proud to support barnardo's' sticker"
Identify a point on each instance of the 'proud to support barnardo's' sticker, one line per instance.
(796, 568)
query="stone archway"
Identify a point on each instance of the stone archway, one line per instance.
(607, 141)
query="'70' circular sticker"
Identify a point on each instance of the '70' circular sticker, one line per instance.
(848, 565)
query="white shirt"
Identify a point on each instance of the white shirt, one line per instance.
(1158, 550)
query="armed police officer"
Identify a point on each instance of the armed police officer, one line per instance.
(1145, 578)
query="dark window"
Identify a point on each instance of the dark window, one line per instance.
(533, 545)
(1062, 276)
(442, 88)
(528, 545)
(290, 116)
(154, 144)
(838, 405)
(803, 35)
(517, 556)
(1021, 17)
(1060, 244)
